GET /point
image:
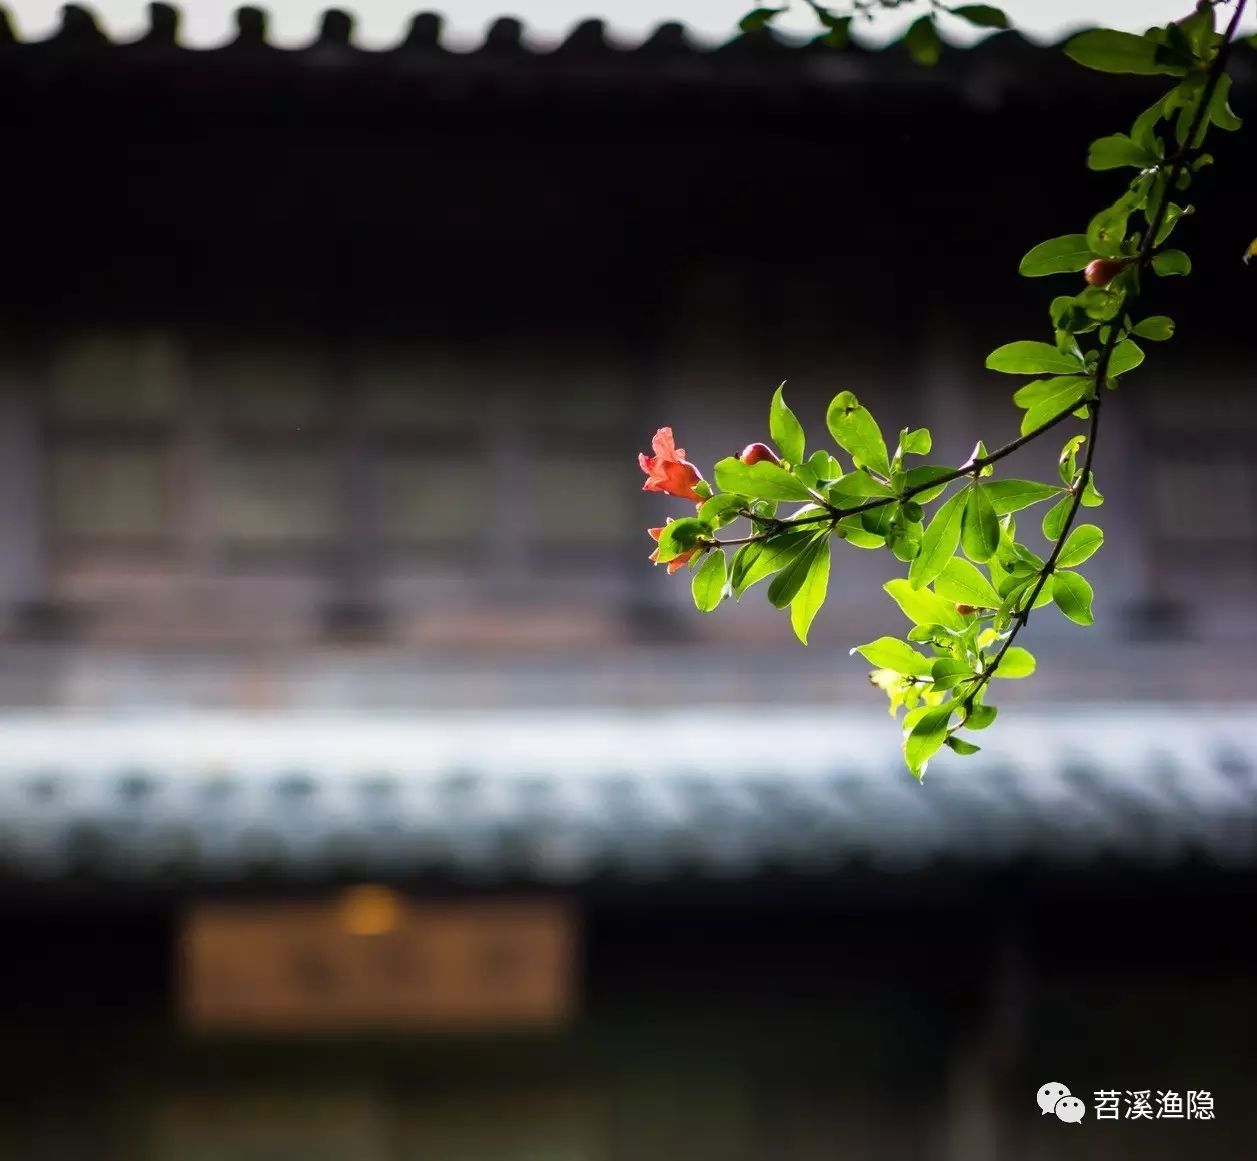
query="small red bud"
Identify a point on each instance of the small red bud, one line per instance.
(753, 453)
(1102, 271)
(965, 610)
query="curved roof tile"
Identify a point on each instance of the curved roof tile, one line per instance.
(562, 797)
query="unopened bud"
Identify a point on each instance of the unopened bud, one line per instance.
(754, 453)
(1102, 271)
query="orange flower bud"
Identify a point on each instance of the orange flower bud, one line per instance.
(677, 562)
(755, 453)
(1102, 271)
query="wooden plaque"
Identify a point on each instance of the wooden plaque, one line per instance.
(378, 961)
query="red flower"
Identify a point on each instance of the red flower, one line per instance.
(677, 561)
(668, 470)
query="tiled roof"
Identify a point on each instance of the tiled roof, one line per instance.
(565, 797)
(423, 48)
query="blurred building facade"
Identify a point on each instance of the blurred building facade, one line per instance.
(323, 377)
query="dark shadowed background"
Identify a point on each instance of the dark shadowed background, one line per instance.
(323, 377)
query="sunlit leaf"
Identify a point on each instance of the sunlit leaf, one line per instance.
(963, 583)
(1073, 596)
(1118, 150)
(1064, 255)
(939, 542)
(1081, 544)
(891, 653)
(764, 480)
(855, 430)
(1031, 358)
(926, 738)
(922, 606)
(708, 583)
(979, 526)
(785, 429)
(1016, 662)
(1014, 495)
(811, 593)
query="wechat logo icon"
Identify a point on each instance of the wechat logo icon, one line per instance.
(1054, 1097)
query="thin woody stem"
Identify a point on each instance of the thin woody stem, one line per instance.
(1143, 260)
(832, 512)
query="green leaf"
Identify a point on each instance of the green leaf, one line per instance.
(1101, 303)
(758, 19)
(981, 15)
(768, 556)
(938, 543)
(891, 653)
(1031, 358)
(1117, 151)
(851, 489)
(1014, 495)
(1064, 255)
(764, 480)
(708, 585)
(790, 579)
(1220, 112)
(1067, 463)
(811, 593)
(1173, 214)
(680, 536)
(947, 672)
(1126, 356)
(980, 716)
(1073, 597)
(1016, 662)
(824, 466)
(961, 582)
(916, 443)
(855, 430)
(1091, 497)
(880, 520)
(1083, 542)
(852, 530)
(722, 508)
(1067, 395)
(1156, 328)
(922, 606)
(1043, 390)
(923, 477)
(906, 543)
(922, 42)
(1054, 518)
(1119, 52)
(1169, 262)
(979, 526)
(960, 746)
(1107, 230)
(926, 738)
(786, 430)
(1145, 126)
